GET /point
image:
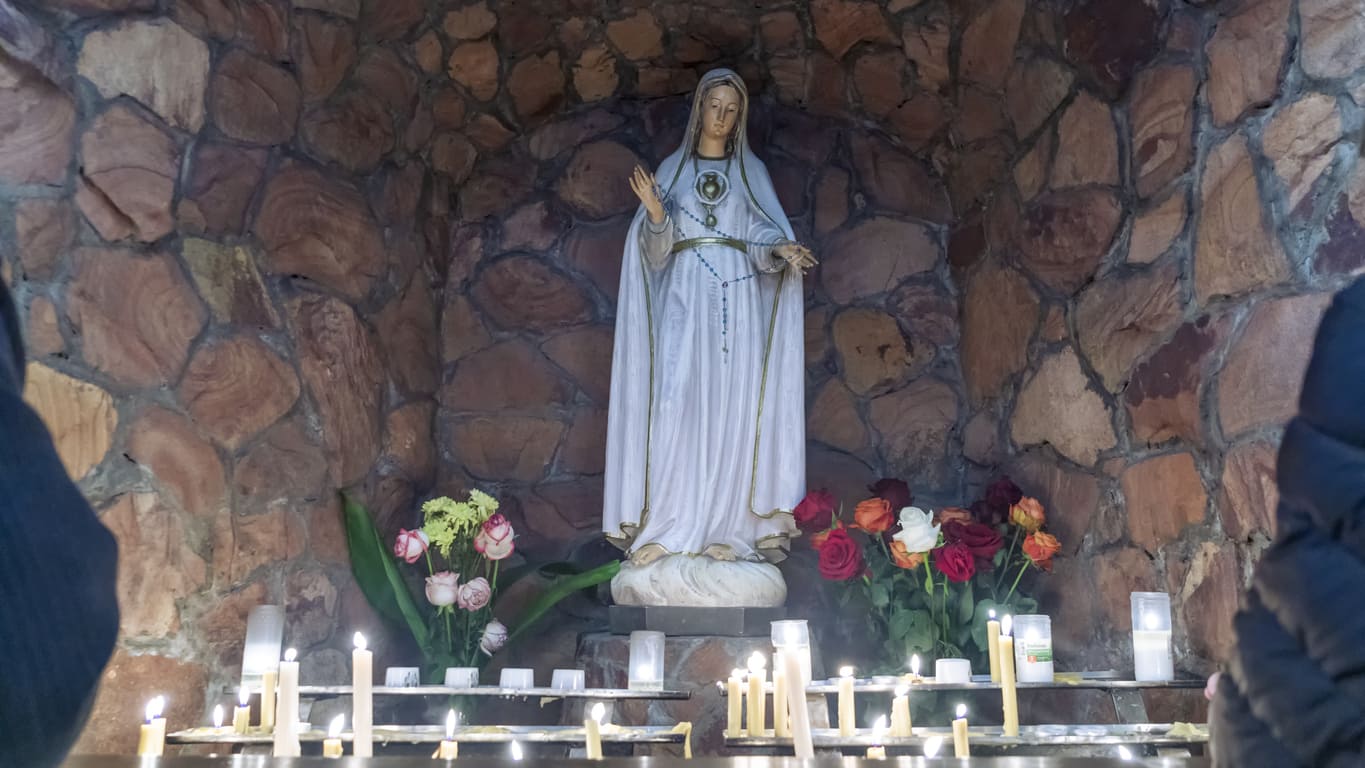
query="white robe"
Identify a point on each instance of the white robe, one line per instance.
(706, 429)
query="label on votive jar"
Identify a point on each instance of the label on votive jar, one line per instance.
(1036, 652)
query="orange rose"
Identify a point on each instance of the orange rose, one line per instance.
(907, 560)
(951, 514)
(1040, 547)
(873, 515)
(817, 539)
(1028, 514)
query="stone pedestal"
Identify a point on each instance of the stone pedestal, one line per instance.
(674, 620)
(690, 663)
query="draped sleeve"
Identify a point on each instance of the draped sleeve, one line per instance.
(656, 241)
(762, 235)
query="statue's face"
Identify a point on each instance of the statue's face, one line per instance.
(720, 110)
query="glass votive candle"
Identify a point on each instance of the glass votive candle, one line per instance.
(462, 677)
(952, 671)
(646, 671)
(1033, 648)
(792, 636)
(1152, 660)
(402, 677)
(515, 677)
(264, 641)
(568, 680)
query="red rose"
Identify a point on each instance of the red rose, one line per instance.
(895, 492)
(840, 558)
(982, 540)
(955, 561)
(814, 512)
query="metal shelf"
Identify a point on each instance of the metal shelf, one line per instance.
(431, 734)
(598, 694)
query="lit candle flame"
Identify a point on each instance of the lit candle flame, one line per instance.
(155, 707)
(450, 724)
(879, 728)
(516, 750)
(1125, 753)
(991, 613)
(218, 716)
(845, 671)
(359, 641)
(1150, 621)
(914, 665)
(243, 696)
(1007, 625)
(961, 711)
(737, 673)
(757, 663)
(334, 729)
(932, 745)
(598, 712)
(291, 654)
(902, 690)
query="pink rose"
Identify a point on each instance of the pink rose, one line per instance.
(474, 594)
(443, 588)
(495, 540)
(410, 545)
(494, 637)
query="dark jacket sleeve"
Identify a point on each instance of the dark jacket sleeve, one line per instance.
(58, 614)
(1294, 692)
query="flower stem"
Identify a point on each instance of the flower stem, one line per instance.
(1022, 568)
(1005, 566)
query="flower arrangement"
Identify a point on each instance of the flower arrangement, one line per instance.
(927, 582)
(450, 610)
(470, 539)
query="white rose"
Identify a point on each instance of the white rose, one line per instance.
(494, 637)
(917, 533)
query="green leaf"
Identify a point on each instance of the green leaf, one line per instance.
(377, 574)
(982, 615)
(878, 595)
(914, 630)
(1023, 603)
(966, 604)
(559, 589)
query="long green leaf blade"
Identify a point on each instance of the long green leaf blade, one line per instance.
(559, 589)
(376, 573)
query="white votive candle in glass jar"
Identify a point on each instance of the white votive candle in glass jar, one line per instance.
(513, 677)
(952, 671)
(1033, 648)
(646, 671)
(1152, 660)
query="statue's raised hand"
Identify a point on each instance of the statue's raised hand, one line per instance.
(643, 185)
(795, 254)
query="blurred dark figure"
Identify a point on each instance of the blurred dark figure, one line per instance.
(1294, 692)
(58, 614)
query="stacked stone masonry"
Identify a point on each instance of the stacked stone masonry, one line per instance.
(265, 249)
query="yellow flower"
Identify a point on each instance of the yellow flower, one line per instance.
(446, 520)
(485, 504)
(1028, 514)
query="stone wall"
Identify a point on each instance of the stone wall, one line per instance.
(213, 215)
(1172, 194)
(1084, 243)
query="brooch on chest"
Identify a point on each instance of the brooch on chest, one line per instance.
(712, 188)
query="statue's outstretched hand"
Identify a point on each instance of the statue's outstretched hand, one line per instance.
(643, 185)
(797, 255)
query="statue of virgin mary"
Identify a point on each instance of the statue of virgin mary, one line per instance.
(706, 428)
